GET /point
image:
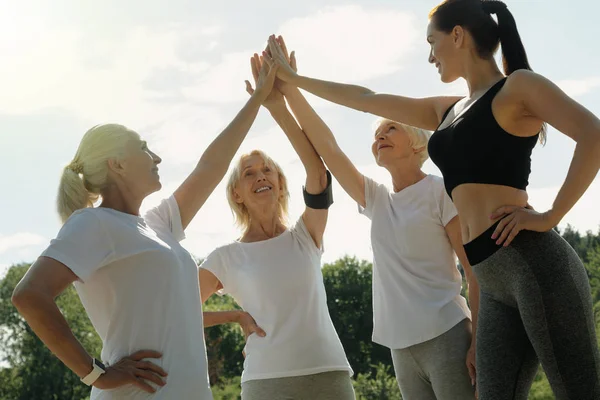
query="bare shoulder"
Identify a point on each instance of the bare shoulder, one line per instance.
(522, 83)
(510, 106)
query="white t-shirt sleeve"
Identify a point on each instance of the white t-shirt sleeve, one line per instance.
(445, 204)
(301, 233)
(83, 244)
(166, 217)
(215, 264)
(372, 192)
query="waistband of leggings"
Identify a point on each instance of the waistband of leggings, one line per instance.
(482, 247)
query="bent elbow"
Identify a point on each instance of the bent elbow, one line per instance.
(22, 297)
(19, 297)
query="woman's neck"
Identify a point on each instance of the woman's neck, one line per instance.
(121, 199)
(405, 175)
(480, 75)
(263, 226)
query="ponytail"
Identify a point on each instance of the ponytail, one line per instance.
(83, 181)
(514, 56)
(72, 193)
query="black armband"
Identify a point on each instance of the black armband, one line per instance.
(320, 201)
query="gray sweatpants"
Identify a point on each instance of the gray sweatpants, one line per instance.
(535, 304)
(333, 385)
(436, 369)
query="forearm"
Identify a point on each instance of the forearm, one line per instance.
(45, 319)
(473, 288)
(212, 318)
(313, 126)
(315, 169)
(352, 96)
(584, 168)
(314, 129)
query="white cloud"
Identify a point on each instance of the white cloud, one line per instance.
(351, 43)
(341, 43)
(19, 240)
(95, 79)
(223, 82)
(579, 87)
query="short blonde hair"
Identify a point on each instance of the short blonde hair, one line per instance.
(240, 212)
(419, 138)
(83, 180)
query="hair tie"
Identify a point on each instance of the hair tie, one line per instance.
(493, 6)
(76, 167)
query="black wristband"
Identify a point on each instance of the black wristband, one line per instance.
(320, 201)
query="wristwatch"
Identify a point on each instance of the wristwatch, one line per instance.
(97, 370)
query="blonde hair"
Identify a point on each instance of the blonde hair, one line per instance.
(419, 138)
(83, 180)
(239, 210)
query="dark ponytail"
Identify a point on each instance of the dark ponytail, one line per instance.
(475, 17)
(514, 56)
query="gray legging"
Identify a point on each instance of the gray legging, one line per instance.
(332, 385)
(436, 369)
(535, 304)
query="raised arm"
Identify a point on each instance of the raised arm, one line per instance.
(316, 177)
(318, 132)
(424, 113)
(215, 160)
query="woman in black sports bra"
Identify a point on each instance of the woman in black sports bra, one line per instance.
(535, 302)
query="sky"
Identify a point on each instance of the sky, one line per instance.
(174, 72)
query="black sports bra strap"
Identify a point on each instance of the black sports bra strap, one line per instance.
(491, 93)
(496, 88)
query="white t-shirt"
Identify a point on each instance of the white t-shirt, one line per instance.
(279, 282)
(416, 283)
(140, 289)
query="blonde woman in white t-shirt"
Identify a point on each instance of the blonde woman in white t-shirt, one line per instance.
(137, 284)
(415, 233)
(274, 272)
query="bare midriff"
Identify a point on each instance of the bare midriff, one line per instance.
(475, 202)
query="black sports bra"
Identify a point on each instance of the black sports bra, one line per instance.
(475, 149)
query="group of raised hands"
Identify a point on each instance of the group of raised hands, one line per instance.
(272, 71)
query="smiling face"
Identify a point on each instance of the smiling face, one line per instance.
(257, 183)
(392, 143)
(444, 51)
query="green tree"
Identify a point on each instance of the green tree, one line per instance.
(33, 371)
(224, 343)
(581, 244)
(382, 386)
(228, 389)
(540, 390)
(593, 268)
